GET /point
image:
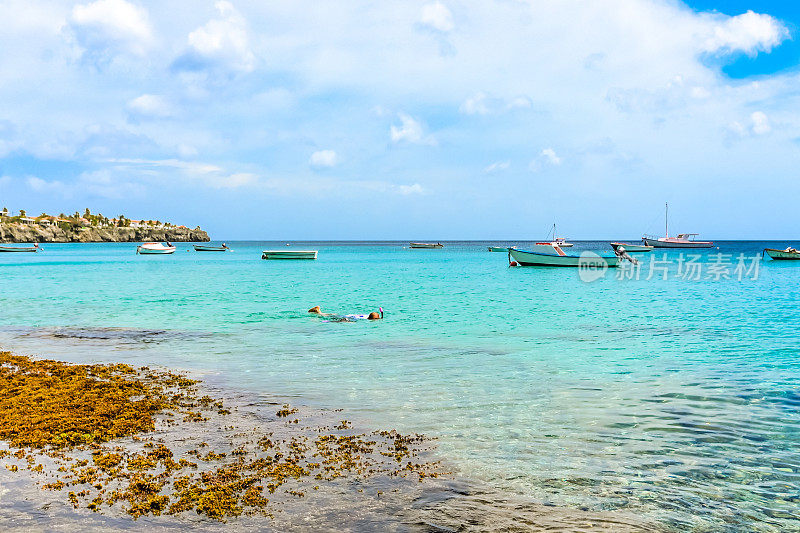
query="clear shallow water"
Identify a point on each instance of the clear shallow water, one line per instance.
(677, 400)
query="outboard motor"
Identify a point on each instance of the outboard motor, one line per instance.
(620, 252)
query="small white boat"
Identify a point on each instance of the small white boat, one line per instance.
(34, 248)
(155, 248)
(206, 248)
(788, 253)
(427, 245)
(631, 247)
(547, 254)
(683, 240)
(561, 242)
(289, 254)
(500, 248)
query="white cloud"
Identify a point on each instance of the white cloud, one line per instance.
(222, 43)
(550, 156)
(497, 166)
(233, 181)
(410, 131)
(149, 106)
(475, 105)
(323, 158)
(438, 17)
(482, 103)
(186, 150)
(208, 174)
(40, 185)
(410, 189)
(760, 123)
(108, 27)
(96, 183)
(749, 32)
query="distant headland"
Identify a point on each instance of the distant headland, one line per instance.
(89, 227)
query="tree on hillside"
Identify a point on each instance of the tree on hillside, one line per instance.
(22, 212)
(5, 211)
(87, 214)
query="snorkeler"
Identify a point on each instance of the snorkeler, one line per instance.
(375, 315)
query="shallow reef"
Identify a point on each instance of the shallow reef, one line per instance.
(120, 439)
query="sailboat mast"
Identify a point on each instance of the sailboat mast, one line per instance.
(666, 219)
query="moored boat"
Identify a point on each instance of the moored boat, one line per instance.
(561, 242)
(34, 248)
(788, 253)
(425, 245)
(631, 247)
(155, 248)
(289, 254)
(683, 240)
(500, 248)
(206, 248)
(555, 256)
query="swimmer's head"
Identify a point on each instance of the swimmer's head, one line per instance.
(315, 310)
(374, 316)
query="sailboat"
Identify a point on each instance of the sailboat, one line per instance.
(561, 242)
(683, 240)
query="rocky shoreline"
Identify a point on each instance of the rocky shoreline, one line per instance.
(34, 233)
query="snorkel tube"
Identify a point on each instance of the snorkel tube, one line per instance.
(381, 311)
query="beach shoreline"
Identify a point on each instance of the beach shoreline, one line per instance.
(395, 502)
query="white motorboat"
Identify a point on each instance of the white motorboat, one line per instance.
(34, 248)
(631, 247)
(425, 245)
(155, 248)
(548, 254)
(683, 240)
(289, 254)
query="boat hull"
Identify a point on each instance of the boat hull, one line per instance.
(528, 258)
(154, 248)
(658, 243)
(198, 248)
(15, 249)
(498, 249)
(147, 251)
(631, 247)
(289, 254)
(782, 255)
(425, 245)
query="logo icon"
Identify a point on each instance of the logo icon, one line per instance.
(591, 267)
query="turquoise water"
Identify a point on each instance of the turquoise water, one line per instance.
(675, 399)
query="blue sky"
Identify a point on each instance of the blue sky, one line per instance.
(406, 120)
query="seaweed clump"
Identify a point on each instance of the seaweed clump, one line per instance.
(72, 413)
(47, 403)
